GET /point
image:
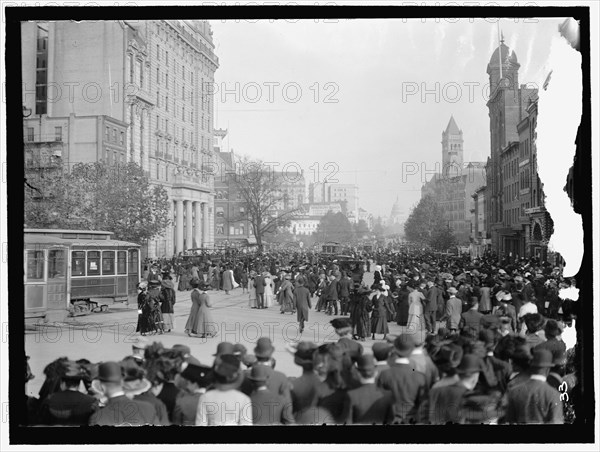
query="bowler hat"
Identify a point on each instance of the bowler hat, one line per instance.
(304, 352)
(404, 345)
(542, 358)
(264, 348)
(260, 373)
(469, 364)
(182, 348)
(449, 356)
(224, 348)
(365, 362)
(109, 372)
(228, 368)
(381, 350)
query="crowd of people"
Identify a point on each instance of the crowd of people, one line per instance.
(481, 342)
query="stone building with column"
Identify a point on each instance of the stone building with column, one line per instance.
(131, 91)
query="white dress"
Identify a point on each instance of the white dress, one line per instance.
(251, 294)
(269, 297)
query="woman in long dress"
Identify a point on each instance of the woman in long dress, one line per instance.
(252, 291)
(402, 310)
(285, 296)
(269, 297)
(416, 320)
(359, 314)
(144, 323)
(228, 280)
(167, 302)
(200, 321)
(379, 324)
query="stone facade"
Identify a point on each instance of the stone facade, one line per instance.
(132, 91)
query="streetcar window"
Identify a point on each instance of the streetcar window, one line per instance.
(121, 262)
(108, 262)
(93, 263)
(78, 263)
(35, 265)
(133, 262)
(56, 264)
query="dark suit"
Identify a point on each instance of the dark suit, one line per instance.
(168, 395)
(159, 406)
(352, 348)
(445, 404)
(303, 304)
(67, 408)
(277, 383)
(534, 402)
(431, 307)
(269, 408)
(304, 391)
(408, 388)
(368, 404)
(259, 285)
(470, 321)
(121, 411)
(185, 409)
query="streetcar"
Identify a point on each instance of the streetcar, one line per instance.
(64, 270)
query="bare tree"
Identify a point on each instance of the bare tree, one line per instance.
(262, 192)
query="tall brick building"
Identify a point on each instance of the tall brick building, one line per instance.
(507, 108)
(125, 91)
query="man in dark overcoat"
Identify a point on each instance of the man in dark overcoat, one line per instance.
(302, 301)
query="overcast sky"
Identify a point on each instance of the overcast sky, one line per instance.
(376, 70)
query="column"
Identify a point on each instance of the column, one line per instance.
(179, 226)
(188, 225)
(205, 220)
(198, 228)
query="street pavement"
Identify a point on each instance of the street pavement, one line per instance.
(109, 336)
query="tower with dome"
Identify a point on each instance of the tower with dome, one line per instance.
(507, 106)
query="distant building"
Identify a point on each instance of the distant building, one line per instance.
(304, 224)
(345, 194)
(452, 189)
(366, 217)
(397, 215)
(322, 208)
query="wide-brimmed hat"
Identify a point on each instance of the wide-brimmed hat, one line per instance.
(304, 352)
(264, 348)
(228, 368)
(469, 364)
(142, 285)
(109, 372)
(260, 373)
(452, 290)
(197, 374)
(133, 388)
(340, 322)
(381, 350)
(224, 348)
(542, 358)
(288, 276)
(239, 350)
(184, 349)
(404, 345)
(73, 371)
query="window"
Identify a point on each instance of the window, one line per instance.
(107, 134)
(35, 265)
(78, 263)
(231, 230)
(166, 126)
(57, 265)
(30, 134)
(157, 76)
(108, 262)
(167, 81)
(58, 134)
(242, 229)
(41, 71)
(122, 139)
(139, 69)
(93, 263)
(157, 99)
(167, 103)
(220, 211)
(167, 58)
(157, 122)
(157, 52)
(132, 263)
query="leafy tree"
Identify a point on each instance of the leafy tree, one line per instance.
(425, 221)
(264, 199)
(443, 239)
(334, 227)
(361, 228)
(98, 196)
